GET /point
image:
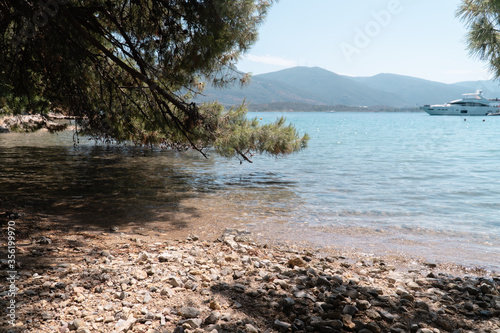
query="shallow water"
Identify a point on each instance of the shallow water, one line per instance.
(404, 183)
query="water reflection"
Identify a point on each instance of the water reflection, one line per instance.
(107, 185)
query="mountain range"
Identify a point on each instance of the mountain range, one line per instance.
(315, 86)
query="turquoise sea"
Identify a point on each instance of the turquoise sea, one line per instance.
(377, 183)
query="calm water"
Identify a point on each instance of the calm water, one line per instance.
(382, 183)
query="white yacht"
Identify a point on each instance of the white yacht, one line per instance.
(473, 104)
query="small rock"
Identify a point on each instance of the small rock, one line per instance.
(413, 285)
(45, 240)
(147, 298)
(386, 316)
(140, 275)
(214, 305)
(122, 295)
(189, 312)
(47, 316)
(338, 280)
(194, 323)
(167, 292)
(350, 310)
(83, 330)
(76, 324)
(287, 302)
(213, 318)
(469, 306)
(425, 330)
(143, 257)
(60, 285)
(175, 282)
(372, 314)
(249, 328)
(125, 325)
(240, 288)
(363, 305)
(296, 262)
(322, 281)
(282, 325)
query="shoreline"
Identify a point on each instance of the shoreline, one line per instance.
(137, 279)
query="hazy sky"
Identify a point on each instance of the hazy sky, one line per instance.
(420, 38)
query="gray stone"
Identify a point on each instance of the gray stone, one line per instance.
(373, 327)
(240, 288)
(125, 325)
(322, 281)
(179, 329)
(60, 285)
(350, 310)
(320, 323)
(147, 298)
(386, 316)
(194, 323)
(469, 306)
(122, 295)
(287, 302)
(351, 293)
(472, 290)
(338, 280)
(213, 317)
(175, 282)
(282, 325)
(189, 312)
(47, 316)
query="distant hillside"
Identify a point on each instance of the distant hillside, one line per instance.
(332, 88)
(317, 86)
(414, 91)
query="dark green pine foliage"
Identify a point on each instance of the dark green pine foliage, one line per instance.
(483, 22)
(121, 67)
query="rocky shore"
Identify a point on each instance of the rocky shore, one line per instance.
(114, 281)
(30, 123)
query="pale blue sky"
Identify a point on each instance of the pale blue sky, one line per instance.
(420, 38)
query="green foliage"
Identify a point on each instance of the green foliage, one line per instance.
(483, 21)
(120, 67)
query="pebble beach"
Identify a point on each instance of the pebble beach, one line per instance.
(79, 280)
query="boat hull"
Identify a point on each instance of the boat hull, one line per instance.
(435, 110)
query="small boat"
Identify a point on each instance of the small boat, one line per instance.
(473, 104)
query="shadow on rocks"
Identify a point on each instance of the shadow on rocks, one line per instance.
(299, 293)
